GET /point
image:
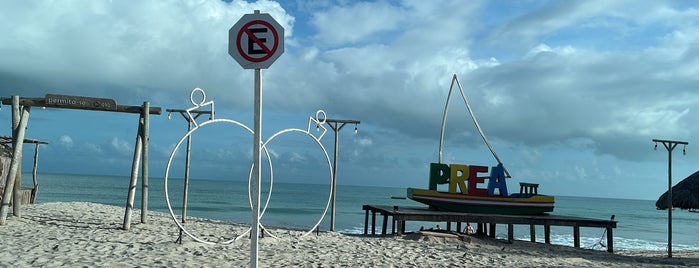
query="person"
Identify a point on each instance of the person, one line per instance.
(469, 229)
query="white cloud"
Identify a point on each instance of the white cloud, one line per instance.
(364, 142)
(91, 149)
(359, 22)
(66, 141)
(122, 147)
(601, 77)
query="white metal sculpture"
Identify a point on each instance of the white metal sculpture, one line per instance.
(318, 121)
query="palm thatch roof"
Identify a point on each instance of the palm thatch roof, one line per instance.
(685, 194)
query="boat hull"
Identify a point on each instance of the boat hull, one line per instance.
(529, 205)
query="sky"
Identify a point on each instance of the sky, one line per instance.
(569, 93)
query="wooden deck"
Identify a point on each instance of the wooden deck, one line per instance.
(400, 215)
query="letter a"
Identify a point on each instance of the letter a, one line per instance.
(497, 181)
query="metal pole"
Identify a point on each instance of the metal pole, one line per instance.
(669, 145)
(333, 123)
(257, 141)
(333, 194)
(669, 199)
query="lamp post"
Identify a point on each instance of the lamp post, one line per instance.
(669, 145)
(336, 125)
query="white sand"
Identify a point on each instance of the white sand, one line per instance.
(89, 235)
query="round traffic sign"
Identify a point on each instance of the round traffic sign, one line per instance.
(256, 41)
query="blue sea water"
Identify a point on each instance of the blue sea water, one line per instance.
(299, 206)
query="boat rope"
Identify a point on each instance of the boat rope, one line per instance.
(455, 80)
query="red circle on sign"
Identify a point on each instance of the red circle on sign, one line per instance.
(245, 30)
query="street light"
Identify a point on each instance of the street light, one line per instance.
(336, 125)
(669, 145)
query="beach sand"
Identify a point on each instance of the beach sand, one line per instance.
(79, 234)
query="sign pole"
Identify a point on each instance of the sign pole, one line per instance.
(255, 42)
(257, 141)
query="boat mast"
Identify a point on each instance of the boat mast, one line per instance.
(473, 117)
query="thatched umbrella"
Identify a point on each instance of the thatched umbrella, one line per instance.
(685, 194)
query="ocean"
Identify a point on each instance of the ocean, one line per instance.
(300, 206)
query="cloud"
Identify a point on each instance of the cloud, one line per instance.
(66, 141)
(364, 19)
(121, 147)
(121, 50)
(543, 78)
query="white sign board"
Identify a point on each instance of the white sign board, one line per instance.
(256, 41)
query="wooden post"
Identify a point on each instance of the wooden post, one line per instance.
(510, 232)
(366, 221)
(458, 227)
(373, 222)
(547, 234)
(532, 232)
(383, 225)
(610, 240)
(17, 189)
(185, 191)
(34, 168)
(144, 171)
(481, 229)
(134, 176)
(576, 236)
(17, 142)
(492, 230)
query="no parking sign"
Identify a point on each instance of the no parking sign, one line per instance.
(256, 41)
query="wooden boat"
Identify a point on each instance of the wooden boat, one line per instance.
(465, 195)
(535, 204)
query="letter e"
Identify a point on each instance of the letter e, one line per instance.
(473, 180)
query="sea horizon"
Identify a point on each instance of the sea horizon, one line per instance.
(295, 205)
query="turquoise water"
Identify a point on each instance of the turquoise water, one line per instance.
(300, 206)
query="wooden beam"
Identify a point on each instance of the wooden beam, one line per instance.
(42, 102)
